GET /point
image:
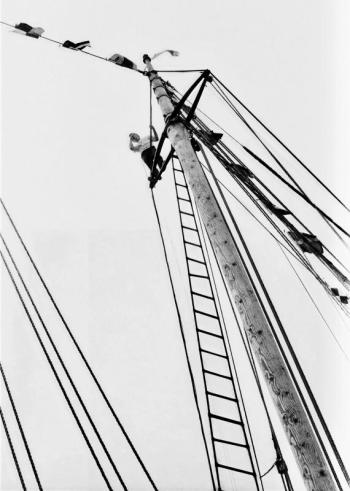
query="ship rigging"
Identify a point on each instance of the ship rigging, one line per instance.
(205, 159)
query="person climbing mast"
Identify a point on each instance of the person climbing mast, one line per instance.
(147, 150)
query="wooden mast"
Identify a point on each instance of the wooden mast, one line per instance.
(307, 451)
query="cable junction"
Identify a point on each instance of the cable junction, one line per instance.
(282, 144)
(243, 176)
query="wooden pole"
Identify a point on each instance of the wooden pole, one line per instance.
(308, 454)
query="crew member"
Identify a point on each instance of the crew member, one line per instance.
(147, 150)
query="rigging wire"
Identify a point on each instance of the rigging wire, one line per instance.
(316, 306)
(183, 338)
(103, 58)
(290, 348)
(246, 149)
(334, 270)
(301, 193)
(268, 470)
(297, 254)
(150, 112)
(64, 367)
(256, 191)
(58, 380)
(280, 142)
(79, 350)
(235, 110)
(200, 70)
(13, 452)
(308, 266)
(224, 148)
(60, 44)
(20, 427)
(324, 260)
(222, 185)
(327, 219)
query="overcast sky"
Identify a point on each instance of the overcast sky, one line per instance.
(82, 202)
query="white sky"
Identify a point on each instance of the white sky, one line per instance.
(82, 203)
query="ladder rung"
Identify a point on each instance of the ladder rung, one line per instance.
(222, 396)
(181, 185)
(230, 443)
(228, 420)
(235, 469)
(210, 334)
(197, 261)
(179, 170)
(189, 228)
(192, 243)
(202, 295)
(217, 374)
(186, 213)
(206, 314)
(183, 199)
(212, 353)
